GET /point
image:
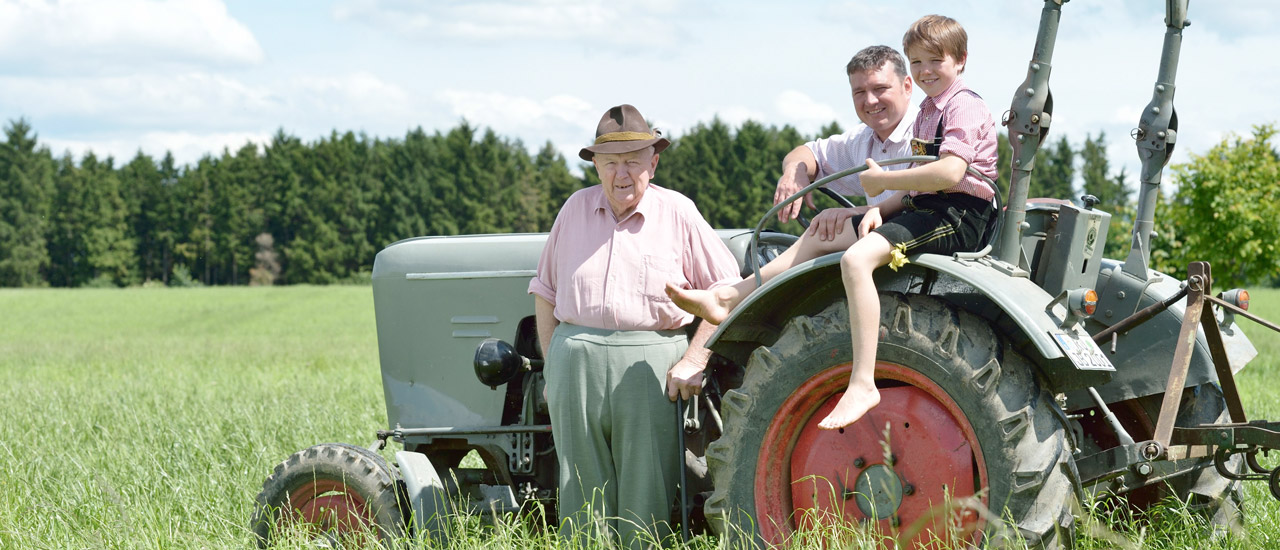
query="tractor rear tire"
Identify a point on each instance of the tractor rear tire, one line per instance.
(335, 491)
(1216, 498)
(931, 356)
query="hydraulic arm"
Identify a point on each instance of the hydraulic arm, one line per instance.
(1028, 121)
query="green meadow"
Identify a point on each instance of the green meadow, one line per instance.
(149, 417)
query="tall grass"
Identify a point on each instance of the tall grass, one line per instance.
(148, 418)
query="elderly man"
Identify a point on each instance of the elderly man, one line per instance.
(882, 98)
(616, 353)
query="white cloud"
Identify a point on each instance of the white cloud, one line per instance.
(199, 99)
(209, 101)
(78, 36)
(595, 21)
(1245, 18)
(503, 112)
(358, 94)
(526, 68)
(568, 122)
(802, 110)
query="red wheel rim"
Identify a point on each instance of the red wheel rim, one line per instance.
(803, 470)
(329, 506)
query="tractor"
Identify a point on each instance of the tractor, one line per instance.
(1015, 381)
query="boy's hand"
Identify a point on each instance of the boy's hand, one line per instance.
(830, 222)
(873, 179)
(870, 220)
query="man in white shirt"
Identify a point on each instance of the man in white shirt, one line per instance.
(881, 91)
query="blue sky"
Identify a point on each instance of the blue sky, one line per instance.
(193, 77)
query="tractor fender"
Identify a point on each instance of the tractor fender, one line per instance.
(1144, 354)
(808, 287)
(427, 495)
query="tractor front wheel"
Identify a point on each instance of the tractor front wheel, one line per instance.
(331, 492)
(962, 440)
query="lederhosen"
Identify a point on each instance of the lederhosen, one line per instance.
(938, 223)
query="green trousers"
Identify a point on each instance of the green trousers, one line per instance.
(615, 431)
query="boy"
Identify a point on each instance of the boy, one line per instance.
(937, 208)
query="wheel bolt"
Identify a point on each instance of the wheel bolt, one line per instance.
(859, 462)
(895, 521)
(909, 490)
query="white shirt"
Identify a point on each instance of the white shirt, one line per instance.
(853, 148)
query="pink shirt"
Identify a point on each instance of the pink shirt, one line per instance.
(853, 148)
(968, 132)
(605, 273)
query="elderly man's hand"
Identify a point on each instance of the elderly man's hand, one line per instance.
(684, 379)
(873, 179)
(831, 222)
(791, 182)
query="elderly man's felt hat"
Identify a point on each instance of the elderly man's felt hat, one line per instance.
(622, 130)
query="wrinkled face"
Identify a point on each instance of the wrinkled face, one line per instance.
(880, 98)
(934, 71)
(625, 177)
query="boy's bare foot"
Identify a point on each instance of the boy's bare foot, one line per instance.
(707, 304)
(856, 401)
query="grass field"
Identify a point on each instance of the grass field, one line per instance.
(148, 418)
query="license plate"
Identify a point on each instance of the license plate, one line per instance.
(1083, 352)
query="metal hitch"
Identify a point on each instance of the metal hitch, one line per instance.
(1173, 444)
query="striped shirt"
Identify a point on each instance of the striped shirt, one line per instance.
(853, 148)
(968, 133)
(606, 273)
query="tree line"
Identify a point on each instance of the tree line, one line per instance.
(290, 212)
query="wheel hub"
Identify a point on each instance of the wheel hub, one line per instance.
(878, 492)
(908, 459)
(328, 506)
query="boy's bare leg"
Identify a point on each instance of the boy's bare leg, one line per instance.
(856, 267)
(716, 304)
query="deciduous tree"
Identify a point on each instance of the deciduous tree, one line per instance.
(1225, 211)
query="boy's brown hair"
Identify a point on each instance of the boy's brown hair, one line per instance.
(938, 34)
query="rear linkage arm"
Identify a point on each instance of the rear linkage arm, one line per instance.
(1178, 445)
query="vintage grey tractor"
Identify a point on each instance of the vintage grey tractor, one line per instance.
(1015, 381)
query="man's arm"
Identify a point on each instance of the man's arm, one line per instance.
(799, 168)
(685, 377)
(544, 314)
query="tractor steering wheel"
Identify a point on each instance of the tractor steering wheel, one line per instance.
(842, 200)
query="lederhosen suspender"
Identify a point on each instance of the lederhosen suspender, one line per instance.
(929, 147)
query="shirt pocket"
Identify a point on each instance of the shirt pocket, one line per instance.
(658, 271)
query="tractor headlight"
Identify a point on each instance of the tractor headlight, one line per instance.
(496, 362)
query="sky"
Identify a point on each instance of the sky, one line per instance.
(197, 76)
